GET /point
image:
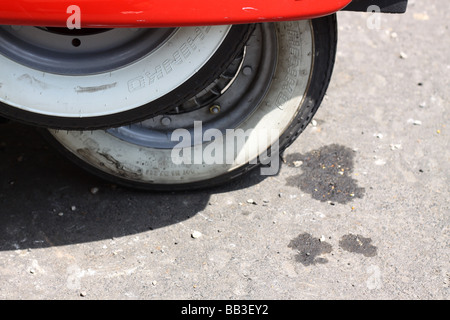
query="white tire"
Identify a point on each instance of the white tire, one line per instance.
(305, 56)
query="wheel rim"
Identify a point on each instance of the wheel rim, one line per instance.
(95, 90)
(78, 52)
(107, 155)
(229, 101)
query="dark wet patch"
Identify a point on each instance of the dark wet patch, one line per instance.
(309, 248)
(358, 244)
(326, 174)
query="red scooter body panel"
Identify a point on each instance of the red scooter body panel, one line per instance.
(152, 13)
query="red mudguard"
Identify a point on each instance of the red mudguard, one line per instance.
(152, 13)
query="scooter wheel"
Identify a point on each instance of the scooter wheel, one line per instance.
(86, 79)
(243, 120)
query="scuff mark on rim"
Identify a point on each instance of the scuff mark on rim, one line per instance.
(104, 87)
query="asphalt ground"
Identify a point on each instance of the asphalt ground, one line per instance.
(359, 210)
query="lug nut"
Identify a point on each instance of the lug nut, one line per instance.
(247, 71)
(165, 121)
(214, 109)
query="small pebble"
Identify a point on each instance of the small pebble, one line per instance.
(403, 55)
(379, 135)
(94, 190)
(251, 201)
(297, 163)
(395, 146)
(196, 234)
(83, 294)
(415, 122)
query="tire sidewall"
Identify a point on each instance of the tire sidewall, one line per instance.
(285, 108)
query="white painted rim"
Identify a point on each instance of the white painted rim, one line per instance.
(274, 114)
(129, 87)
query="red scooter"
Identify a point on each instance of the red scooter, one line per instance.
(170, 95)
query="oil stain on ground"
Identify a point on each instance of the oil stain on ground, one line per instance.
(358, 244)
(309, 248)
(326, 174)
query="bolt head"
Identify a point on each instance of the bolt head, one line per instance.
(247, 71)
(165, 121)
(214, 109)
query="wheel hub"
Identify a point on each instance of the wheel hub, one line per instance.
(224, 104)
(78, 52)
